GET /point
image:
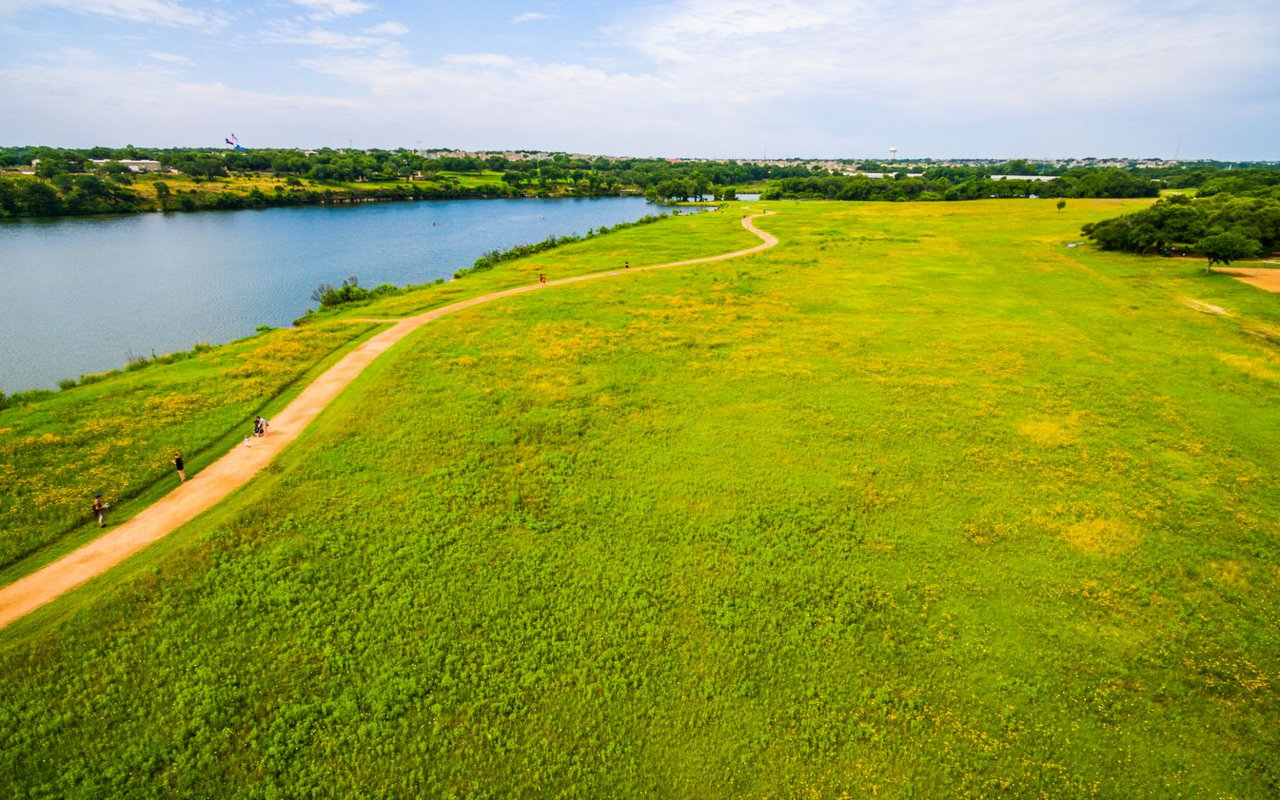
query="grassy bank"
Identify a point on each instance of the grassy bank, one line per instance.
(674, 238)
(919, 503)
(118, 435)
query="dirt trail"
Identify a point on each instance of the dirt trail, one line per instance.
(1263, 278)
(233, 470)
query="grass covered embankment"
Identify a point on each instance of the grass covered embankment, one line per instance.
(116, 434)
(918, 503)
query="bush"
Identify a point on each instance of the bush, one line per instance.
(29, 396)
(94, 377)
(350, 292)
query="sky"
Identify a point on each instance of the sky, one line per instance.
(685, 78)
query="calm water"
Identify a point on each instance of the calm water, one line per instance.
(78, 295)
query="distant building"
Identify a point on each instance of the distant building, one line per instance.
(1041, 178)
(134, 165)
(883, 175)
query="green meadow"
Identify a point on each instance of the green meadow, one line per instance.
(920, 503)
(116, 434)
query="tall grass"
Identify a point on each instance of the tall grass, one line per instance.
(116, 434)
(920, 503)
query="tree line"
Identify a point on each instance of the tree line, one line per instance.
(961, 183)
(1222, 227)
(67, 181)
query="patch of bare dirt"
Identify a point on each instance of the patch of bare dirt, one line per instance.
(1204, 308)
(1267, 279)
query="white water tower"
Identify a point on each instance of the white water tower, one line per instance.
(893, 154)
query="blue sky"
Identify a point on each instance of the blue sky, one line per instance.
(694, 78)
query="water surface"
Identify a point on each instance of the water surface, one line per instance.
(78, 295)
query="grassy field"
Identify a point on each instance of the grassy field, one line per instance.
(920, 503)
(675, 238)
(118, 435)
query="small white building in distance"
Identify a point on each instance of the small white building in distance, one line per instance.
(1041, 178)
(139, 165)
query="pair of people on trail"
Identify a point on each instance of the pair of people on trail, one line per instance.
(260, 426)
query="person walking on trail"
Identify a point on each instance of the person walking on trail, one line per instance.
(626, 264)
(100, 510)
(260, 426)
(178, 465)
(542, 277)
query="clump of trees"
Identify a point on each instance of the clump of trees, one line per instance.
(1214, 179)
(1222, 227)
(350, 291)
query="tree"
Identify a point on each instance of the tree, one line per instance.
(1018, 166)
(1223, 248)
(1062, 204)
(58, 162)
(40, 199)
(205, 166)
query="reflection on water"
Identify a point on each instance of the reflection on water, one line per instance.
(77, 295)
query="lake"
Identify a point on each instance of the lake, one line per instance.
(79, 294)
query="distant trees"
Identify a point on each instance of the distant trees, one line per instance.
(388, 172)
(963, 183)
(204, 166)
(1202, 225)
(58, 162)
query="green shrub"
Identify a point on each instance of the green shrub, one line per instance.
(349, 292)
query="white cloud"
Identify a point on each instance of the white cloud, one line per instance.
(387, 29)
(328, 9)
(484, 60)
(529, 16)
(91, 93)
(827, 74)
(284, 33)
(922, 55)
(169, 58)
(727, 77)
(157, 12)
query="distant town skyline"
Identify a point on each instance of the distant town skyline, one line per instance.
(686, 78)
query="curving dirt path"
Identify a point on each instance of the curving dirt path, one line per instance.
(233, 470)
